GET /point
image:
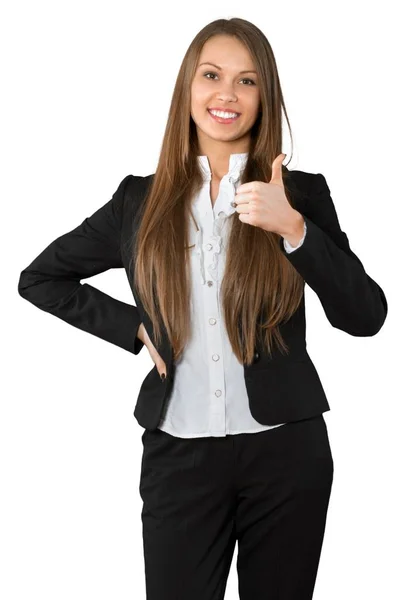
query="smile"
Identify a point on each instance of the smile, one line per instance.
(222, 119)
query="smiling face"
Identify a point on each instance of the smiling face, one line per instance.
(229, 82)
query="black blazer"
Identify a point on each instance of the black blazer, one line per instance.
(353, 302)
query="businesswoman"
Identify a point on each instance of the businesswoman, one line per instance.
(217, 246)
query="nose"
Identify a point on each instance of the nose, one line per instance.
(227, 93)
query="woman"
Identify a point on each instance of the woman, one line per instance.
(217, 246)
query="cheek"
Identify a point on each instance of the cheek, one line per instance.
(200, 92)
(196, 89)
(249, 97)
(253, 103)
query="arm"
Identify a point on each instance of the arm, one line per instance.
(352, 300)
(52, 281)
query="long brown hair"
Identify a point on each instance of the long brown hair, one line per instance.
(260, 288)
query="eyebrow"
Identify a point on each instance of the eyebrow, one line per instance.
(220, 68)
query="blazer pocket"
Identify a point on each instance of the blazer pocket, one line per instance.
(286, 375)
(281, 361)
(286, 391)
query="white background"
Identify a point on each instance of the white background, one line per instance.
(86, 91)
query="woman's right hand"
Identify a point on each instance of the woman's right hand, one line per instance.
(156, 358)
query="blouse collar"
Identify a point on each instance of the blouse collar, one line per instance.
(237, 162)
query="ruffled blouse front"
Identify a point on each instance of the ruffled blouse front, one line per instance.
(222, 209)
(215, 244)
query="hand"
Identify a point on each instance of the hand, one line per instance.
(265, 205)
(156, 358)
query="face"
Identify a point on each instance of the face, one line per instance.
(224, 87)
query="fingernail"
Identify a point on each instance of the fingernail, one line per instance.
(163, 376)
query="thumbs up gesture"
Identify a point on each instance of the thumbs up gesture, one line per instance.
(265, 205)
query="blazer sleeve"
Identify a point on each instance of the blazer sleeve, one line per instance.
(52, 282)
(352, 300)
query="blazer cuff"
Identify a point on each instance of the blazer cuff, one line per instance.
(138, 342)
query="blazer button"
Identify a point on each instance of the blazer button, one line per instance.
(256, 357)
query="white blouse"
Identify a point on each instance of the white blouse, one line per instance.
(209, 396)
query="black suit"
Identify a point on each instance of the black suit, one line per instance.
(352, 301)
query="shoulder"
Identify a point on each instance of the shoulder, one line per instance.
(130, 185)
(311, 196)
(130, 192)
(137, 185)
(303, 182)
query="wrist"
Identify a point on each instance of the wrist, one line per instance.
(296, 231)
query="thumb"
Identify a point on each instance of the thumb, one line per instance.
(277, 170)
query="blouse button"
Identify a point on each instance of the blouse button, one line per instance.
(212, 321)
(218, 393)
(215, 357)
(234, 204)
(208, 246)
(210, 283)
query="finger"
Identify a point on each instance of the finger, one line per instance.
(160, 364)
(247, 187)
(241, 199)
(243, 208)
(277, 170)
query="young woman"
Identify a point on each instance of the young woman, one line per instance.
(217, 246)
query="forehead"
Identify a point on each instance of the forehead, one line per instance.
(226, 52)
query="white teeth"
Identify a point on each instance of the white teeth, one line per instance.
(223, 115)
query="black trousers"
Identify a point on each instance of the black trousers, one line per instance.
(267, 490)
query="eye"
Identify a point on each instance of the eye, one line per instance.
(244, 79)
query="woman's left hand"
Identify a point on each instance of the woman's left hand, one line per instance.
(265, 204)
